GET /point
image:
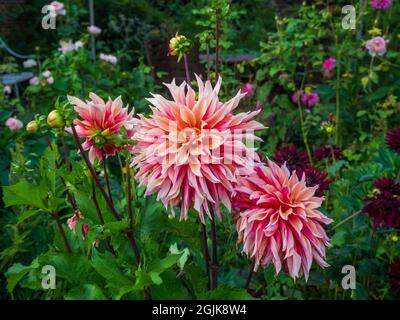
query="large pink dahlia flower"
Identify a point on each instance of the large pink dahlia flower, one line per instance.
(190, 151)
(101, 121)
(278, 220)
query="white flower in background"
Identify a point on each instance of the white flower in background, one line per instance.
(29, 63)
(14, 123)
(78, 44)
(50, 80)
(7, 89)
(94, 30)
(34, 81)
(46, 73)
(58, 8)
(108, 58)
(66, 47)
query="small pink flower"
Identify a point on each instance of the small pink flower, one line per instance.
(329, 64)
(312, 99)
(73, 220)
(58, 7)
(381, 4)
(376, 46)
(248, 89)
(34, 81)
(297, 95)
(14, 123)
(46, 73)
(50, 80)
(94, 30)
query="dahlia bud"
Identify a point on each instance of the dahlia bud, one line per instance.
(55, 120)
(32, 126)
(179, 46)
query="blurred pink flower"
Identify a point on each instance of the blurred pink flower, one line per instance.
(191, 150)
(311, 99)
(101, 120)
(50, 80)
(34, 81)
(58, 7)
(329, 64)
(73, 220)
(46, 73)
(248, 89)
(14, 123)
(376, 46)
(94, 30)
(381, 4)
(278, 220)
(297, 95)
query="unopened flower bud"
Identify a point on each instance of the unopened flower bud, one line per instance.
(32, 126)
(55, 120)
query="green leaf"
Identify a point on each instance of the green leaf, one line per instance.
(26, 215)
(108, 268)
(16, 272)
(116, 226)
(23, 193)
(336, 167)
(85, 292)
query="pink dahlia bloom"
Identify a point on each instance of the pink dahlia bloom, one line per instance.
(278, 220)
(381, 4)
(329, 64)
(190, 151)
(376, 46)
(100, 122)
(14, 124)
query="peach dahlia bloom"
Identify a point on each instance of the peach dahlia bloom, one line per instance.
(100, 121)
(190, 151)
(278, 220)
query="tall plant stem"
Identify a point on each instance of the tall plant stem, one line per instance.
(96, 203)
(250, 276)
(216, 43)
(206, 253)
(304, 133)
(187, 72)
(65, 151)
(129, 234)
(129, 197)
(98, 210)
(63, 236)
(106, 176)
(215, 264)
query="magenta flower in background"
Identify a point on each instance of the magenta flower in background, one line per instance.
(376, 46)
(73, 220)
(311, 99)
(14, 124)
(381, 4)
(248, 89)
(329, 64)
